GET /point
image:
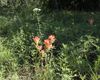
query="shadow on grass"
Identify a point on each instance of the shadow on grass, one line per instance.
(70, 26)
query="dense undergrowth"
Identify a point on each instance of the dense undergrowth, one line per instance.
(76, 55)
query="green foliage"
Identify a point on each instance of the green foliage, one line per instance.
(97, 66)
(77, 48)
(63, 63)
(7, 61)
(5, 54)
(80, 57)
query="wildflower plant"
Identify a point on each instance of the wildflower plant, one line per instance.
(36, 13)
(44, 51)
(47, 45)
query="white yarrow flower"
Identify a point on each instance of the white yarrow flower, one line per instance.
(36, 10)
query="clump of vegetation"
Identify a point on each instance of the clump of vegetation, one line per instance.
(72, 52)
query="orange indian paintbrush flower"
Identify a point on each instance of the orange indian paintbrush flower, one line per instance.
(47, 43)
(36, 39)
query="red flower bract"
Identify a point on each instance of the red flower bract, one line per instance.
(36, 39)
(47, 43)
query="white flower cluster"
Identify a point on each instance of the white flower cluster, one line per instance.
(36, 10)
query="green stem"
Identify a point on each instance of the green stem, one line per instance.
(39, 26)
